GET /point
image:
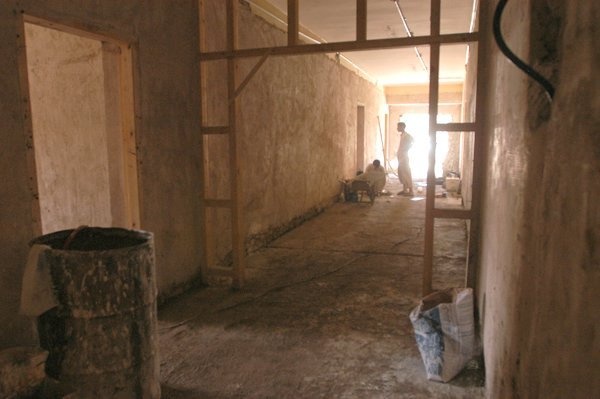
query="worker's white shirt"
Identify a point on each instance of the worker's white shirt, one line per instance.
(375, 176)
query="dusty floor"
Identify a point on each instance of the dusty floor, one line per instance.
(324, 313)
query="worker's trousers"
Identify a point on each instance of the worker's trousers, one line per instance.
(404, 174)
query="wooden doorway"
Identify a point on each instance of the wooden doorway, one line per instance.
(82, 124)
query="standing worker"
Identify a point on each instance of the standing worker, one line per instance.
(404, 173)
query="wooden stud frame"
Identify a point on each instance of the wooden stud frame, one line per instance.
(480, 155)
(361, 20)
(293, 22)
(348, 46)
(204, 130)
(235, 202)
(237, 222)
(435, 39)
(434, 54)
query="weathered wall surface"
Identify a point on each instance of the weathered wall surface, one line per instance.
(298, 129)
(169, 143)
(540, 253)
(66, 88)
(164, 36)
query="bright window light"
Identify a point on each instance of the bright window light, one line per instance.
(417, 125)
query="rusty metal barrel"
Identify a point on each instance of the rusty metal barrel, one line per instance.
(102, 337)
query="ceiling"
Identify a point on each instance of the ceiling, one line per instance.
(335, 20)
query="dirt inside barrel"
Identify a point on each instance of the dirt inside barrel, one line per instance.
(93, 239)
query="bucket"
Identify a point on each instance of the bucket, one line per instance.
(102, 337)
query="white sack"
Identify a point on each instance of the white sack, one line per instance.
(445, 332)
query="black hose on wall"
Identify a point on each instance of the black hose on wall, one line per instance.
(511, 56)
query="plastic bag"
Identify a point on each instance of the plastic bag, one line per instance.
(444, 328)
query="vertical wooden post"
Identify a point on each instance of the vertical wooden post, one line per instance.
(433, 111)
(293, 22)
(361, 20)
(204, 266)
(36, 213)
(479, 151)
(237, 203)
(128, 129)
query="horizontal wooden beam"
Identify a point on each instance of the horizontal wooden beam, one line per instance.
(214, 129)
(217, 203)
(439, 213)
(455, 127)
(74, 26)
(337, 47)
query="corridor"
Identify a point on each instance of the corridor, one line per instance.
(324, 313)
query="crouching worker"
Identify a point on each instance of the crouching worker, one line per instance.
(375, 175)
(371, 182)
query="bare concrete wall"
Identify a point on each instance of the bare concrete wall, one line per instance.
(164, 36)
(540, 259)
(69, 124)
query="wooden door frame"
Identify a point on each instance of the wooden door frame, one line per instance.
(129, 106)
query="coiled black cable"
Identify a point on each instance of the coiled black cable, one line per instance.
(511, 56)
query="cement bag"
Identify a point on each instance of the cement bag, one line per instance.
(444, 329)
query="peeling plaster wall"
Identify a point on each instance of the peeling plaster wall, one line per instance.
(164, 36)
(540, 249)
(297, 130)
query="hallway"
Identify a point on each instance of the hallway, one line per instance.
(324, 313)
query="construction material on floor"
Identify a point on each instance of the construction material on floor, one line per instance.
(324, 313)
(445, 332)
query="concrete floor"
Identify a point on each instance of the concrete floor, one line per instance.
(324, 313)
